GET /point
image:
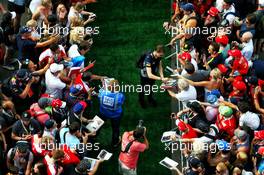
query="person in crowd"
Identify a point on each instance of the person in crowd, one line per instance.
(186, 92)
(20, 159)
(25, 128)
(130, 150)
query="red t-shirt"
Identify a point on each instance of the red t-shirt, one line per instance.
(241, 65)
(130, 159)
(226, 125)
(190, 134)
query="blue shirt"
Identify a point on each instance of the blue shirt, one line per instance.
(111, 103)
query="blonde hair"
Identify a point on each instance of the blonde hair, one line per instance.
(222, 166)
(46, 3)
(114, 86)
(216, 73)
(32, 23)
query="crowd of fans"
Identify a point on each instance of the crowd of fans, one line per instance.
(46, 95)
(220, 83)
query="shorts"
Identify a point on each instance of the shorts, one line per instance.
(124, 170)
(16, 8)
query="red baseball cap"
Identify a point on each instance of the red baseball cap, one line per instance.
(185, 56)
(57, 103)
(182, 126)
(239, 85)
(223, 39)
(261, 150)
(222, 68)
(261, 83)
(259, 134)
(213, 11)
(235, 53)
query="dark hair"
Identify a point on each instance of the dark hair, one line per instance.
(138, 133)
(189, 68)
(52, 19)
(53, 47)
(160, 49)
(84, 45)
(74, 127)
(215, 46)
(243, 106)
(252, 18)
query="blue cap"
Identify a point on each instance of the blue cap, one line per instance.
(79, 107)
(223, 145)
(77, 61)
(76, 88)
(216, 92)
(24, 30)
(211, 99)
(188, 7)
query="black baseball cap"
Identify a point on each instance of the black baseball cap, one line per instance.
(25, 116)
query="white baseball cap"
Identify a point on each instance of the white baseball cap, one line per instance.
(54, 67)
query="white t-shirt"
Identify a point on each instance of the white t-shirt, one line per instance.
(250, 120)
(73, 51)
(71, 140)
(48, 53)
(54, 85)
(219, 5)
(247, 50)
(185, 96)
(230, 17)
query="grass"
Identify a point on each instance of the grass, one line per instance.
(127, 29)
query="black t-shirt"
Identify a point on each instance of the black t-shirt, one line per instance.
(32, 129)
(26, 48)
(151, 62)
(214, 62)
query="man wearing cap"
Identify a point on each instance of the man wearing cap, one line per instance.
(240, 64)
(149, 66)
(187, 130)
(239, 90)
(26, 46)
(54, 85)
(19, 87)
(184, 58)
(188, 22)
(226, 121)
(24, 128)
(223, 40)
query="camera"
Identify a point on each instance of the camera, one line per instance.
(140, 124)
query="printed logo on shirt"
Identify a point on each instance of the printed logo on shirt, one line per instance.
(108, 101)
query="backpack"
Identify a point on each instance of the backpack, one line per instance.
(140, 61)
(38, 113)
